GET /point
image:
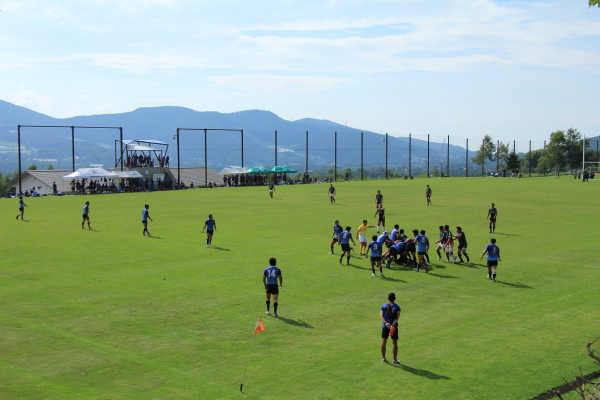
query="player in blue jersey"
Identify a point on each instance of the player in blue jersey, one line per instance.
(145, 218)
(493, 257)
(337, 231)
(86, 215)
(422, 249)
(389, 314)
(22, 206)
(344, 241)
(394, 233)
(270, 277)
(396, 250)
(375, 249)
(211, 226)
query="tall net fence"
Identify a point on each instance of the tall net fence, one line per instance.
(349, 153)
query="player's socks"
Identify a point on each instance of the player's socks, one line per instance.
(454, 257)
(460, 258)
(468, 260)
(268, 304)
(427, 257)
(493, 277)
(275, 308)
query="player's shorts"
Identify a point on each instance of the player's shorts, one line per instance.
(393, 252)
(449, 248)
(462, 246)
(272, 288)
(378, 258)
(144, 220)
(331, 194)
(85, 216)
(210, 231)
(21, 208)
(492, 263)
(422, 253)
(334, 239)
(410, 247)
(381, 220)
(385, 334)
(270, 190)
(493, 219)
(440, 245)
(362, 239)
(345, 246)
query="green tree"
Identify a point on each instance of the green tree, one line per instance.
(32, 167)
(574, 152)
(486, 152)
(512, 161)
(555, 152)
(50, 167)
(595, 3)
(435, 172)
(348, 171)
(502, 153)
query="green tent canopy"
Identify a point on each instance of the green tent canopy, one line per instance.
(259, 170)
(283, 169)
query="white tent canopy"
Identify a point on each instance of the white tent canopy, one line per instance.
(144, 141)
(90, 173)
(128, 174)
(234, 171)
(139, 147)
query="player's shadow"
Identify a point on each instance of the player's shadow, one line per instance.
(472, 265)
(354, 266)
(516, 285)
(420, 372)
(387, 278)
(154, 237)
(339, 204)
(443, 276)
(24, 220)
(218, 248)
(299, 323)
(505, 234)
(93, 230)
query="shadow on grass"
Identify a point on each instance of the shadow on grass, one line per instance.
(355, 266)
(296, 322)
(154, 237)
(443, 276)
(505, 234)
(517, 285)
(387, 278)
(93, 230)
(218, 248)
(420, 372)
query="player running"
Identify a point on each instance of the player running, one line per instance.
(271, 189)
(493, 257)
(145, 217)
(462, 244)
(491, 215)
(428, 195)
(422, 249)
(362, 236)
(337, 231)
(375, 249)
(211, 226)
(22, 206)
(380, 213)
(270, 277)
(86, 215)
(332, 192)
(344, 241)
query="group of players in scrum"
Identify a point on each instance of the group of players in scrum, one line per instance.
(397, 247)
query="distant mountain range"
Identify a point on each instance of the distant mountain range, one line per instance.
(43, 146)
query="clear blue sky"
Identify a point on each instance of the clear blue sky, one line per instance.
(511, 69)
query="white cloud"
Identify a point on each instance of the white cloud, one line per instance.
(39, 102)
(274, 83)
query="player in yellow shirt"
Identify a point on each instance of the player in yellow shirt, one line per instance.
(362, 236)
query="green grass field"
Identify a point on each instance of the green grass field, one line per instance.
(111, 314)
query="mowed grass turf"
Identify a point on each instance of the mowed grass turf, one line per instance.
(111, 314)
